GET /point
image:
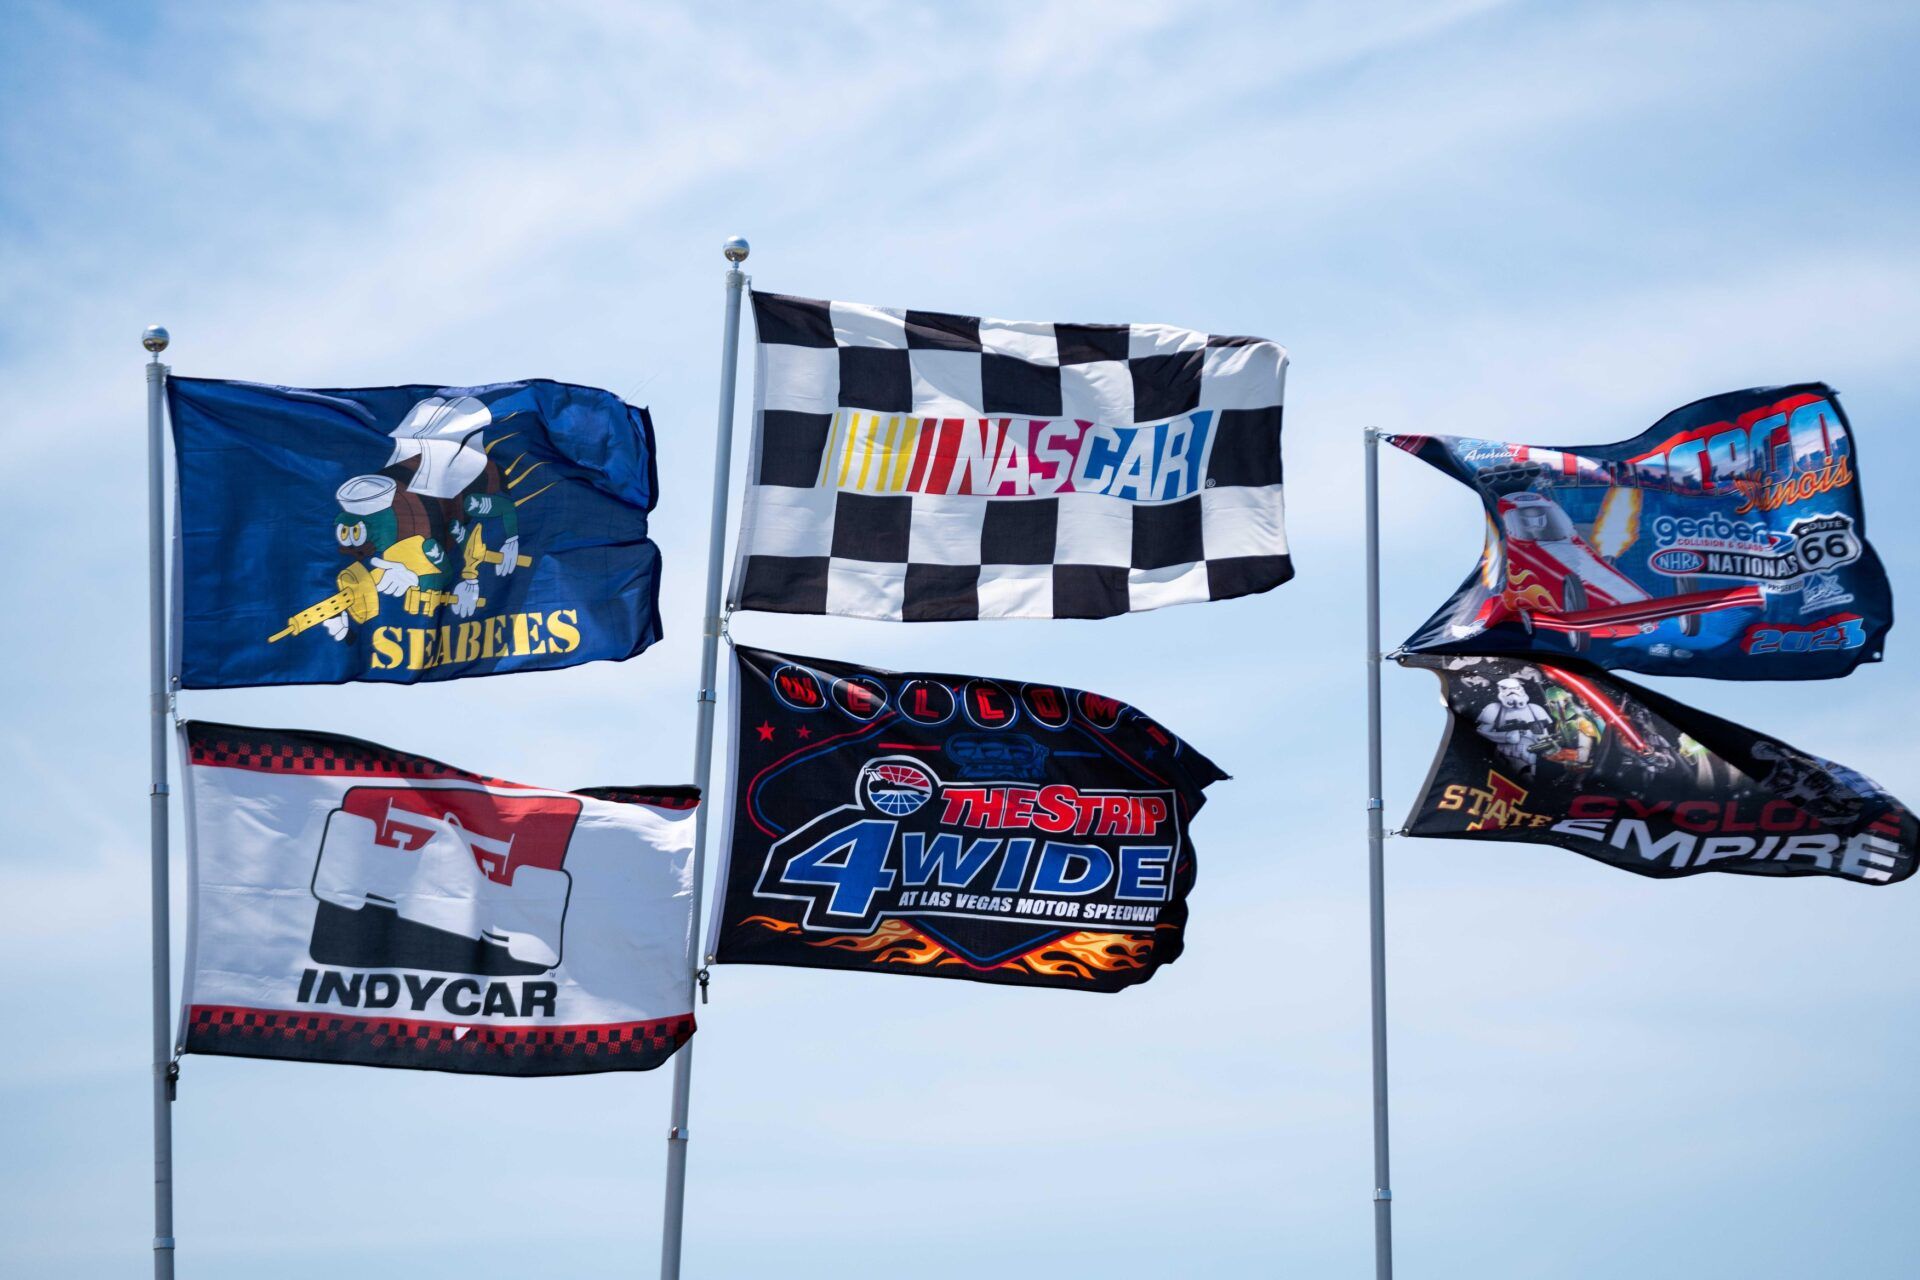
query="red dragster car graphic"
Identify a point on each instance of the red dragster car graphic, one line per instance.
(1552, 579)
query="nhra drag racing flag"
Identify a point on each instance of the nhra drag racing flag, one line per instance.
(956, 827)
(351, 903)
(918, 466)
(1727, 540)
(409, 533)
(1560, 754)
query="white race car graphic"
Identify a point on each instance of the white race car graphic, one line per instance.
(431, 869)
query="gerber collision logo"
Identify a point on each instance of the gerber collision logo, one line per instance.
(1018, 457)
(913, 845)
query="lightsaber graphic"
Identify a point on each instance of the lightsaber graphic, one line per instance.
(1598, 701)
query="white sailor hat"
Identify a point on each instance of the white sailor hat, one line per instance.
(364, 495)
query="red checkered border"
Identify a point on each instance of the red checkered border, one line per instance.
(238, 1031)
(226, 746)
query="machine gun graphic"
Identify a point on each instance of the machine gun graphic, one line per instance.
(358, 599)
(476, 553)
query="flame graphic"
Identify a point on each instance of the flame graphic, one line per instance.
(894, 942)
(1524, 591)
(1618, 524)
(1492, 557)
(1077, 955)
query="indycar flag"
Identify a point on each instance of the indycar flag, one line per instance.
(409, 533)
(1727, 540)
(952, 826)
(1564, 755)
(923, 467)
(355, 904)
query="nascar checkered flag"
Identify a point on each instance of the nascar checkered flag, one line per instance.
(922, 467)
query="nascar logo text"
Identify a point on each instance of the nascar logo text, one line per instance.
(1018, 457)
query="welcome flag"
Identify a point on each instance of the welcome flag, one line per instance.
(921, 466)
(1562, 754)
(952, 826)
(409, 533)
(1727, 540)
(351, 903)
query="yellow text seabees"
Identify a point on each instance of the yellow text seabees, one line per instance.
(509, 635)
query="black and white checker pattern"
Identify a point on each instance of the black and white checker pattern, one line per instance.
(812, 544)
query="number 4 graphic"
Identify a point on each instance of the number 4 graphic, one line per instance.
(851, 862)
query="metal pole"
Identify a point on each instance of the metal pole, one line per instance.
(1376, 880)
(155, 341)
(735, 249)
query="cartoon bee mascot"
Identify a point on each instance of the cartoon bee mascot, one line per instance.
(426, 526)
(439, 448)
(389, 529)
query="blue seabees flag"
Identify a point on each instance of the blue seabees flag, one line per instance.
(409, 533)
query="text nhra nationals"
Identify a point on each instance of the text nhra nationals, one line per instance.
(954, 826)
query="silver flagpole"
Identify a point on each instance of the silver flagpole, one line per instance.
(1376, 880)
(155, 341)
(735, 249)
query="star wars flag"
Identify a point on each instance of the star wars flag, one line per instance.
(351, 903)
(1564, 755)
(951, 826)
(409, 533)
(1727, 540)
(921, 467)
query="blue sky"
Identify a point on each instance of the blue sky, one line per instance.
(1540, 222)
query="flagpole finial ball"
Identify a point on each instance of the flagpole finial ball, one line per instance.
(735, 248)
(155, 338)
